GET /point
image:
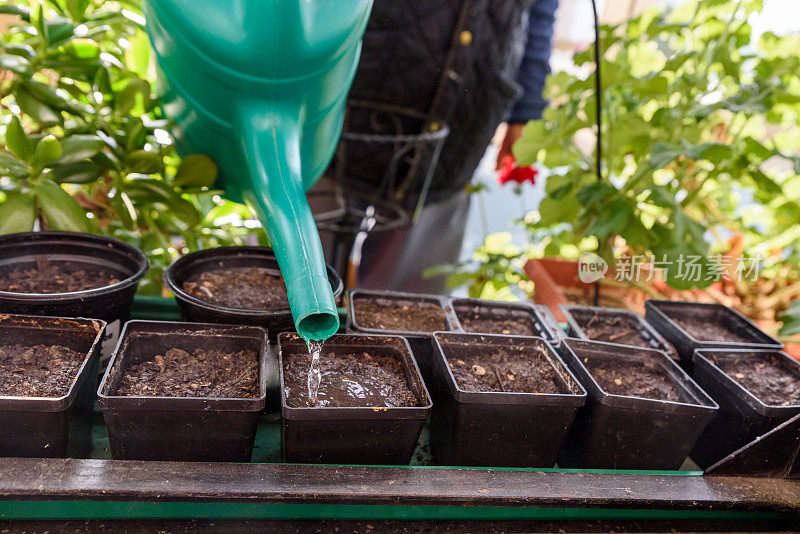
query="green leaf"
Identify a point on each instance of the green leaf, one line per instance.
(48, 150)
(81, 172)
(127, 99)
(14, 167)
(15, 9)
(36, 109)
(77, 8)
(138, 55)
(16, 64)
(60, 210)
(79, 147)
(18, 141)
(17, 213)
(196, 170)
(123, 207)
(144, 162)
(791, 320)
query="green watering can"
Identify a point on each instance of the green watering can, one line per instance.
(260, 86)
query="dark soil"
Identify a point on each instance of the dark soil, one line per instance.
(37, 371)
(505, 370)
(202, 373)
(252, 288)
(612, 328)
(389, 315)
(51, 277)
(494, 321)
(356, 379)
(772, 383)
(632, 379)
(707, 329)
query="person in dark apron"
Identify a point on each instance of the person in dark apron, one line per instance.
(471, 63)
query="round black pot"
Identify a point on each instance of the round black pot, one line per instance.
(109, 303)
(196, 310)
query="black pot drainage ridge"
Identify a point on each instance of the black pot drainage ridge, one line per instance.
(371, 404)
(57, 425)
(643, 411)
(756, 389)
(690, 325)
(155, 409)
(504, 401)
(613, 325)
(194, 277)
(39, 272)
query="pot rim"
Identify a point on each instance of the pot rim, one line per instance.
(78, 238)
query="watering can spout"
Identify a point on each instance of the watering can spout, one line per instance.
(270, 143)
(260, 86)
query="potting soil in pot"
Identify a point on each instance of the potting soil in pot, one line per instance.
(770, 382)
(504, 370)
(620, 329)
(476, 319)
(708, 330)
(55, 277)
(37, 371)
(357, 379)
(201, 373)
(253, 288)
(632, 379)
(388, 315)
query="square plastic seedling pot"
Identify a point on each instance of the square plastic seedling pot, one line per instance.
(504, 310)
(651, 336)
(742, 416)
(52, 427)
(421, 343)
(661, 314)
(354, 435)
(181, 428)
(624, 432)
(497, 428)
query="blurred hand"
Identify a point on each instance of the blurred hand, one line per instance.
(513, 132)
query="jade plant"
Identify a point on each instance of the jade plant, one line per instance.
(85, 146)
(700, 144)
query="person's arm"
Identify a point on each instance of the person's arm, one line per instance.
(533, 71)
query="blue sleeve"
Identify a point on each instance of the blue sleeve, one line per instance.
(535, 63)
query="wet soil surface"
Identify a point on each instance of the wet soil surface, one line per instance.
(771, 382)
(611, 328)
(252, 288)
(55, 277)
(357, 379)
(704, 328)
(37, 371)
(505, 370)
(202, 373)
(497, 321)
(633, 379)
(389, 315)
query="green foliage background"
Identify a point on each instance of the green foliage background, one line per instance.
(85, 144)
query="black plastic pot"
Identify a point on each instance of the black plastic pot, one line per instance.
(623, 432)
(421, 342)
(556, 332)
(109, 303)
(661, 314)
(354, 435)
(193, 309)
(180, 428)
(495, 428)
(498, 311)
(52, 427)
(742, 416)
(578, 315)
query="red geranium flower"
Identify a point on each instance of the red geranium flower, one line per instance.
(510, 172)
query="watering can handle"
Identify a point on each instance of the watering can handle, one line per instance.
(271, 144)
